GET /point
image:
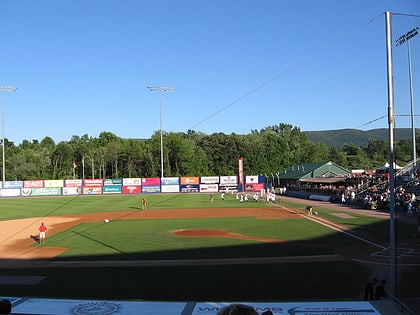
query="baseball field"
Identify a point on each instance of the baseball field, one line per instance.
(187, 247)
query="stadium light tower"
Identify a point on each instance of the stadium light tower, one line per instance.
(161, 89)
(400, 41)
(4, 88)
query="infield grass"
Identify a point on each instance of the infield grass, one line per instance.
(153, 239)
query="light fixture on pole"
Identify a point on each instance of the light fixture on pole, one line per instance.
(161, 89)
(4, 88)
(400, 41)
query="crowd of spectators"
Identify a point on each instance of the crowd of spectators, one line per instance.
(369, 190)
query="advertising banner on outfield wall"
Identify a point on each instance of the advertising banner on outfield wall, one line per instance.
(10, 192)
(209, 188)
(228, 188)
(33, 184)
(169, 185)
(228, 180)
(150, 189)
(251, 179)
(51, 191)
(190, 180)
(131, 181)
(115, 189)
(169, 188)
(150, 181)
(68, 191)
(113, 181)
(53, 183)
(13, 184)
(93, 182)
(254, 187)
(92, 190)
(169, 181)
(73, 183)
(190, 188)
(131, 189)
(209, 180)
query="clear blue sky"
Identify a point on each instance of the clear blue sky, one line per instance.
(82, 66)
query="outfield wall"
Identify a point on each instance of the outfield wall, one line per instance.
(147, 185)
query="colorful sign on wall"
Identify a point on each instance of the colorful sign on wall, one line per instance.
(53, 183)
(254, 187)
(169, 181)
(113, 181)
(112, 189)
(73, 183)
(68, 191)
(190, 188)
(93, 182)
(92, 190)
(50, 191)
(131, 181)
(150, 181)
(131, 189)
(209, 188)
(191, 180)
(228, 180)
(13, 184)
(33, 184)
(209, 180)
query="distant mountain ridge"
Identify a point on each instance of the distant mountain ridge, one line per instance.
(337, 138)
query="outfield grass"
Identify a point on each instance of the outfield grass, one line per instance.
(17, 208)
(151, 239)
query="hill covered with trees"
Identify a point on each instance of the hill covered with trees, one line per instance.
(338, 138)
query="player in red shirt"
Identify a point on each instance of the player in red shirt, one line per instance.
(42, 231)
(144, 204)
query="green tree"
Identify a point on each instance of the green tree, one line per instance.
(62, 159)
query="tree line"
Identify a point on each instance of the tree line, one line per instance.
(268, 151)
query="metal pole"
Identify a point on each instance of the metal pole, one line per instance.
(405, 38)
(5, 88)
(161, 137)
(392, 248)
(161, 89)
(412, 104)
(2, 144)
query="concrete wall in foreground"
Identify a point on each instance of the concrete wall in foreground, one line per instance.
(97, 307)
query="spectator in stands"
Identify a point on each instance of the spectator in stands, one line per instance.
(370, 289)
(380, 292)
(237, 309)
(5, 306)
